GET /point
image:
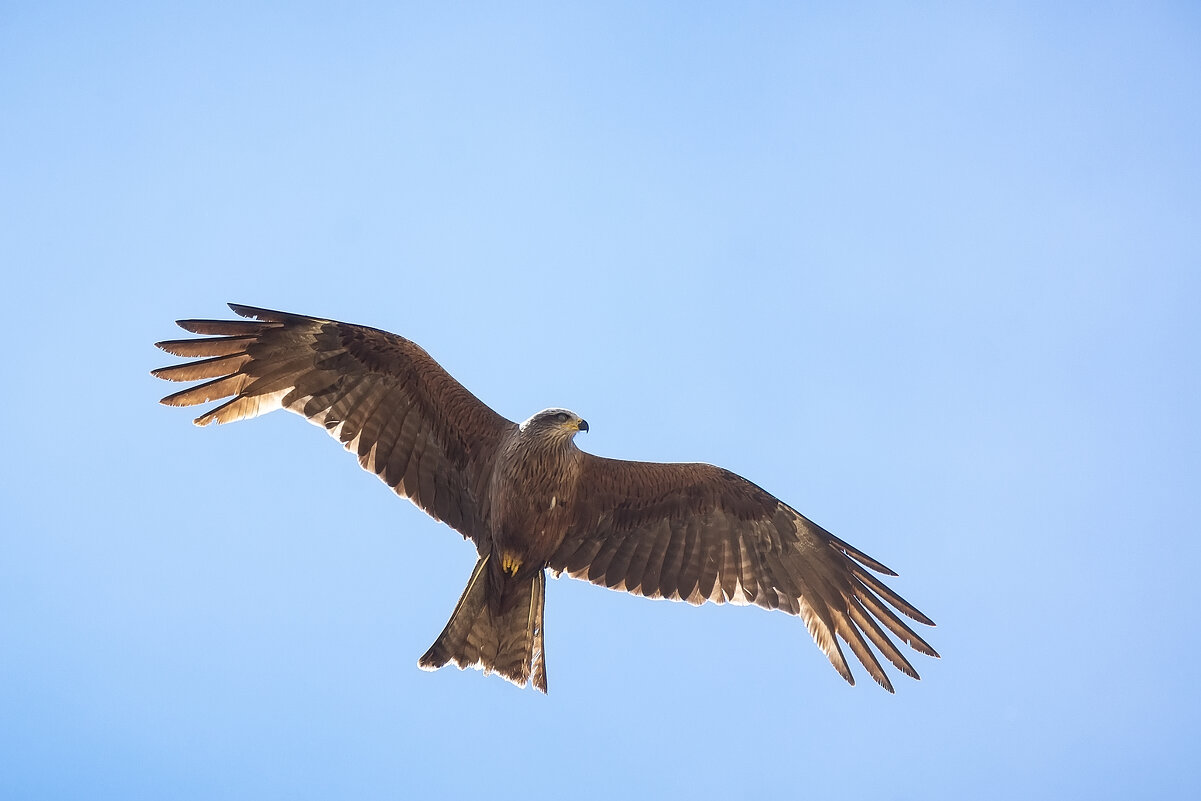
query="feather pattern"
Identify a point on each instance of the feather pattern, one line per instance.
(380, 395)
(699, 533)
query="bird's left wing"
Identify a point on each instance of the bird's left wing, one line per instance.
(696, 533)
(381, 395)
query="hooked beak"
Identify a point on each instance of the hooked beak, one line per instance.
(582, 425)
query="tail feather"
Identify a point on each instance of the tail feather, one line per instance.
(496, 627)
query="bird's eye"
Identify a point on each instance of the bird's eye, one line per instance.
(561, 417)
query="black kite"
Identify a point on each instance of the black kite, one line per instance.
(530, 499)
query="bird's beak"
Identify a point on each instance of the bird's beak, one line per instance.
(582, 425)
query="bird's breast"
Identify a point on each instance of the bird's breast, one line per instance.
(532, 504)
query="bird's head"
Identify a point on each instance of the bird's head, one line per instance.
(555, 423)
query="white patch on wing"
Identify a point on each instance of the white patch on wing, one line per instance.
(244, 408)
(739, 597)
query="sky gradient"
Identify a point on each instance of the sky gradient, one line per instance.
(932, 276)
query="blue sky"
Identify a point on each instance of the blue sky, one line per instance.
(932, 275)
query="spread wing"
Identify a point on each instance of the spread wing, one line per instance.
(382, 396)
(696, 533)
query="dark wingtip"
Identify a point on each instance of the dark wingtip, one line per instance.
(921, 618)
(253, 312)
(266, 315)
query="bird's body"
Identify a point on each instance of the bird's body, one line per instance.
(533, 488)
(531, 500)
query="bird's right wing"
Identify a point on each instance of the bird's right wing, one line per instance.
(382, 396)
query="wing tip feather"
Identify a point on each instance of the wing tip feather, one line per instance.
(267, 315)
(250, 312)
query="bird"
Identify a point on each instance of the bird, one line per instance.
(531, 500)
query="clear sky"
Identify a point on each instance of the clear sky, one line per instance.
(930, 274)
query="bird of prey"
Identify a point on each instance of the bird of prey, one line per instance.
(530, 500)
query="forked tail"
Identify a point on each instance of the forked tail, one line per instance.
(496, 627)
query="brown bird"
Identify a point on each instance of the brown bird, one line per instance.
(530, 499)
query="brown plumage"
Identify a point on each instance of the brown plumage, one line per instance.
(530, 499)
